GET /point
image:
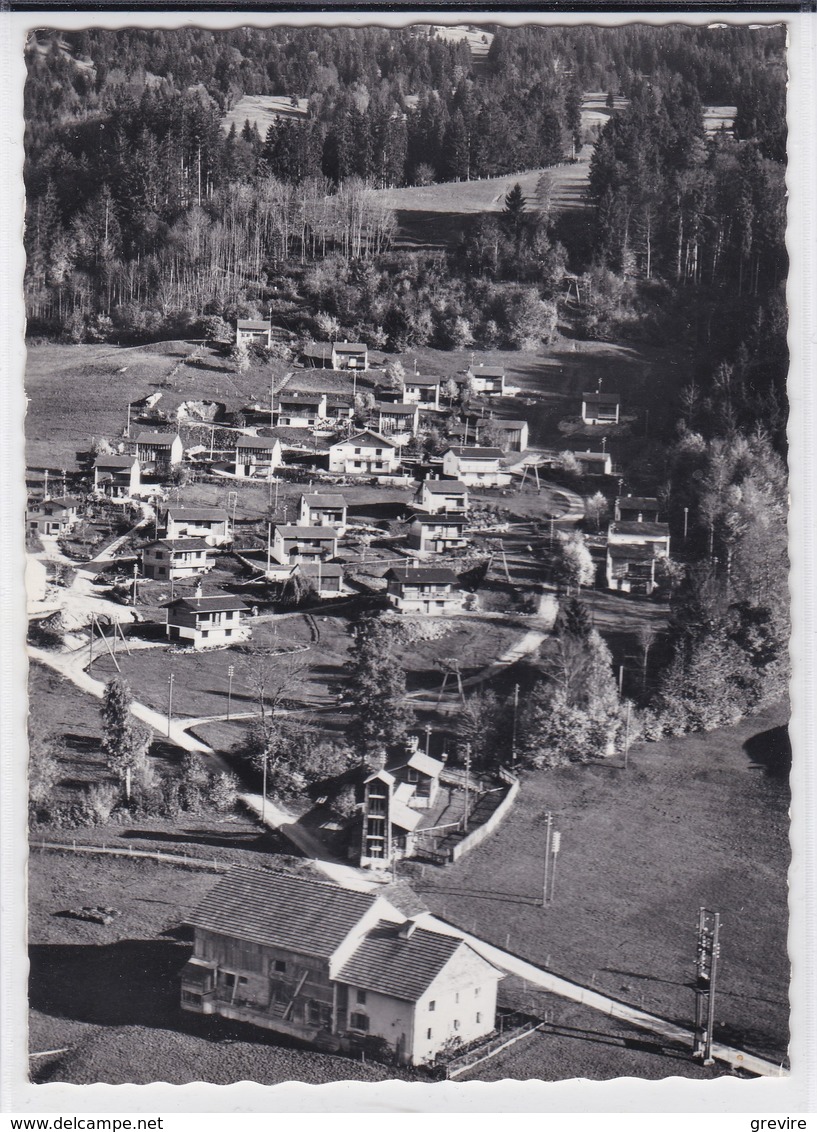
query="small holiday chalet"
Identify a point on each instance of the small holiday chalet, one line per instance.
(210, 523)
(637, 509)
(396, 419)
(437, 534)
(117, 477)
(323, 511)
(487, 379)
(257, 456)
(423, 589)
(169, 559)
(326, 577)
(293, 544)
(158, 452)
(253, 331)
(206, 621)
(640, 534)
(301, 410)
(350, 355)
(51, 516)
(448, 497)
(512, 436)
(365, 453)
(475, 466)
(594, 463)
(631, 568)
(601, 408)
(422, 389)
(334, 966)
(339, 409)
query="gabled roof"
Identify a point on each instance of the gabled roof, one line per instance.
(298, 397)
(398, 408)
(253, 324)
(653, 530)
(637, 503)
(320, 570)
(445, 487)
(439, 520)
(403, 966)
(180, 544)
(374, 438)
(420, 379)
(593, 456)
(124, 462)
(427, 574)
(52, 507)
(328, 500)
(402, 815)
(487, 371)
(267, 443)
(601, 398)
(349, 347)
(158, 439)
(631, 552)
(198, 514)
(478, 453)
(501, 423)
(211, 604)
(418, 760)
(276, 910)
(293, 530)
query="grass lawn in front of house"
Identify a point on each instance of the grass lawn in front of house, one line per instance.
(695, 821)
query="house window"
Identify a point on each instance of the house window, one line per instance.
(457, 997)
(433, 1004)
(476, 991)
(280, 966)
(229, 979)
(361, 998)
(428, 1033)
(359, 1022)
(456, 1023)
(205, 632)
(479, 1017)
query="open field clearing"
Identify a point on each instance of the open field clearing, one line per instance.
(697, 821)
(261, 110)
(80, 392)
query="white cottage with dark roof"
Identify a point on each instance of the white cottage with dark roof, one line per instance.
(334, 966)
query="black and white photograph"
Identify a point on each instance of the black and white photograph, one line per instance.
(407, 563)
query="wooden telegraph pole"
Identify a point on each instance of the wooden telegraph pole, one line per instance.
(706, 969)
(545, 876)
(467, 783)
(515, 711)
(169, 701)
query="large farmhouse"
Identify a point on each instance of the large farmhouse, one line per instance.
(206, 621)
(334, 966)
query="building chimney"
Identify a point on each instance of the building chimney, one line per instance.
(198, 589)
(407, 929)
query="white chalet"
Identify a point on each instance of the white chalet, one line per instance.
(365, 453)
(350, 355)
(253, 330)
(169, 559)
(118, 477)
(437, 534)
(327, 510)
(301, 410)
(423, 589)
(206, 621)
(475, 466)
(601, 408)
(422, 389)
(487, 379)
(210, 523)
(158, 452)
(295, 544)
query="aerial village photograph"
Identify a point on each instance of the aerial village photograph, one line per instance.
(407, 578)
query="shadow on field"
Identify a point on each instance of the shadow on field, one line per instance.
(770, 751)
(481, 894)
(256, 842)
(130, 983)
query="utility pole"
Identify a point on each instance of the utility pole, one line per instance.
(706, 968)
(686, 522)
(555, 846)
(169, 701)
(272, 400)
(91, 642)
(467, 782)
(515, 710)
(627, 734)
(135, 588)
(264, 787)
(230, 671)
(428, 737)
(548, 836)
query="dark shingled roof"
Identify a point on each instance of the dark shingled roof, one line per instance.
(253, 324)
(640, 530)
(397, 408)
(327, 500)
(164, 439)
(198, 514)
(601, 398)
(445, 487)
(349, 347)
(294, 530)
(421, 379)
(470, 453)
(181, 544)
(633, 552)
(207, 604)
(637, 503)
(264, 442)
(439, 574)
(114, 462)
(404, 968)
(487, 371)
(276, 910)
(375, 440)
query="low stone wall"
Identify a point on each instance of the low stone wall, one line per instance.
(481, 832)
